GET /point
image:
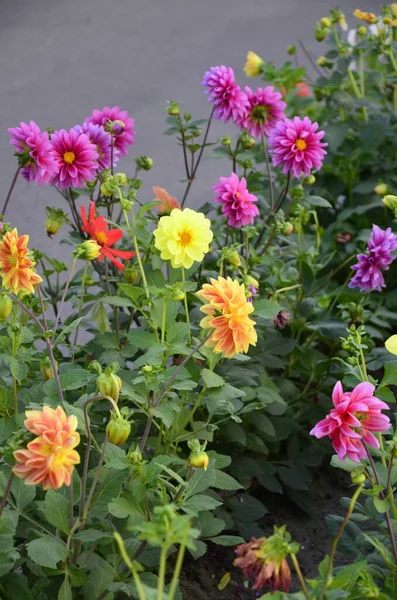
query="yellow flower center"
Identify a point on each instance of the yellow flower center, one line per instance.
(101, 238)
(238, 194)
(185, 238)
(300, 144)
(69, 157)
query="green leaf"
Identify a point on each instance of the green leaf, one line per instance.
(211, 379)
(47, 551)
(91, 535)
(100, 316)
(56, 510)
(117, 301)
(209, 525)
(345, 465)
(200, 482)
(347, 542)
(390, 374)
(23, 494)
(109, 489)
(65, 591)
(246, 508)
(131, 291)
(164, 412)
(227, 540)
(18, 369)
(66, 330)
(199, 502)
(7, 425)
(141, 339)
(223, 481)
(72, 379)
(266, 309)
(373, 134)
(97, 582)
(318, 201)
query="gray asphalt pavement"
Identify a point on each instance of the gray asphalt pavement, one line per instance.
(59, 60)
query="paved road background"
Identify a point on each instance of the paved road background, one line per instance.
(59, 60)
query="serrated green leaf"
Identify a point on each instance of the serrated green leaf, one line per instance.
(200, 482)
(266, 309)
(117, 301)
(390, 374)
(211, 379)
(56, 510)
(18, 369)
(318, 201)
(100, 316)
(109, 488)
(47, 551)
(23, 494)
(131, 291)
(199, 502)
(66, 330)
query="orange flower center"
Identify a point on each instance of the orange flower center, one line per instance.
(101, 238)
(238, 194)
(69, 157)
(185, 238)
(300, 144)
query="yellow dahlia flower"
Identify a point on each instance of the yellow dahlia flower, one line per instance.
(391, 344)
(253, 66)
(16, 269)
(183, 237)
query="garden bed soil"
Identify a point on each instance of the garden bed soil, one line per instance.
(200, 578)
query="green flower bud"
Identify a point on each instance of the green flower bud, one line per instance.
(390, 201)
(323, 62)
(247, 141)
(147, 368)
(54, 221)
(121, 179)
(118, 429)
(309, 180)
(357, 476)
(116, 127)
(287, 228)
(178, 296)
(362, 30)
(88, 250)
(226, 140)
(88, 281)
(46, 370)
(325, 22)
(200, 460)
(187, 116)
(107, 189)
(144, 162)
(381, 189)
(291, 50)
(5, 306)
(231, 256)
(130, 273)
(320, 33)
(109, 384)
(126, 204)
(247, 164)
(249, 280)
(135, 457)
(173, 109)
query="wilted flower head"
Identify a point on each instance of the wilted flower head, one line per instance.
(76, 158)
(238, 205)
(264, 560)
(295, 145)
(33, 148)
(183, 237)
(229, 100)
(265, 109)
(16, 269)
(282, 319)
(166, 202)
(227, 311)
(49, 459)
(350, 422)
(369, 268)
(124, 133)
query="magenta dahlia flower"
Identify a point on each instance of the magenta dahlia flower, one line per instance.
(123, 131)
(101, 140)
(76, 158)
(223, 91)
(350, 423)
(295, 144)
(368, 276)
(238, 204)
(264, 111)
(33, 148)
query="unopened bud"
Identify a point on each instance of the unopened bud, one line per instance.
(144, 162)
(325, 22)
(381, 189)
(323, 62)
(115, 127)
(387, 20)
(362, 30)
(126, 204)
(88, 250)
(357, 476)
(5, 306)
(287, 228)
(178, 296)
(88, 281)
(231, 256)
(390, 201)
(118, 429)
(309, 180)
(107, 188)
(320, 33)
(135, 456)
(247, 141)
(147, 368)
(249, 280)
(121, 179)
(226, 140)
(247, 164)
(187, 116)
(54, 221)
(109, 384)
(46, 369)
(173, 109)
(130, 273)
(291, 50)
(200, 460)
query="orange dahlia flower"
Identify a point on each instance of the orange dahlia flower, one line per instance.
(49, 459)
(166, 202)
(227, 311)
(15, 266)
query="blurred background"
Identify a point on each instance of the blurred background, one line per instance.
(60, 60)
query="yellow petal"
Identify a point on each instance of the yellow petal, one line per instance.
(391, 344)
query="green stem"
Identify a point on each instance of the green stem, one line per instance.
(163, 320)
(189, 336)
(354, 83)
(178, 567)
(300, 576)
(65, 291)
(130, 565)
(136, 247)
(361, 71)
(268, 170)
(115, 313)
(161, 575)
(81, 304)
(389, 491)
(337, 538)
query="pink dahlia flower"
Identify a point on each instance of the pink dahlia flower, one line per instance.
(295, 144)
(124, 133)
(33, 148)
(238, 204)
(101, 140)
(264, 111)
(369, 276)
(229, 100)
(350, 423)
(76, 158)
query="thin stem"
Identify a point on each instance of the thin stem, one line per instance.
(268, 169)
(337, 538)
(361, 71)
(115, 313)
(189, 336)
(13, 182)
(137, 252)
(163, 320)
(178, 566)
(193, 173)
(69, 279)
(71, 503)
(389, 491)
(50, 290)
(81, 300)
(50, 350)
(300, 576)
(6, 492)
(130, 565)
(184, 152)
(96, 479)
(161, 575)
(354, 83)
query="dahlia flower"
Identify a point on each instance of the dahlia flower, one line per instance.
(33, 148)
(15, 266)
(369, 268)
(350, 423)
(166, 202)
(238, 205)
(265, 109)
(295, 145)
(76, 158)
(102, 142)
(104, 237)
(49, 459)
(124, 133)
(183, 237)
(229, 100)
(227, 310)
(253, 65)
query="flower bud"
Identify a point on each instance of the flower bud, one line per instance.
(46, 370)
(287, 228)
(130, 273)
(247, 141)
(254, 64)
(187, 116)
(118, 429)
(109, 384)
(135, 457)
(144, 162)
(247, 164)
(390, 201)
(178, 296)
(200, 460)
(121, 179)
(226, 140)
(320, 33)
(325, 22)
(357, 476)
(88, 250)
(362, 30)
(249, 280)
(88, 281)
(231, 256)
(387, 20)
(323, 62)
(107, 189)
(126, 204)
(5, 306)
(381, 189)
(116, 127)
(173, 109)
(282, 319)
(54, 221)
(291, 50)
(309, 180)
(147, 368)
